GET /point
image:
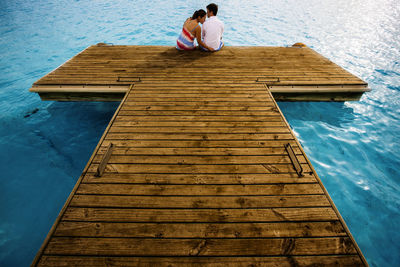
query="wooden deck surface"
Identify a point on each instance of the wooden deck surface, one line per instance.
(104, 73)
(199, 176)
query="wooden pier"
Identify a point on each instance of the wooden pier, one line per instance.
(192, 169)
(104, 73)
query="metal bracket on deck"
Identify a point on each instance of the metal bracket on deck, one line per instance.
(267, 79)
(104, 160)
(294, 160)
(128, 79)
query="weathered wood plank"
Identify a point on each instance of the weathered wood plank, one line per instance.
(199, 108)
(114, 81)
(298, 81)
(206, 151)
(213, 179)
(196, 113)
(200, 130)
(158, 159)
(207, 94)
(199, 136)
(92, 70)
(201, 230)
(199, 215)
(197, 123)
(239, 63)
(199, 202)
(204, 103)
(199, 247)
(169, 90)
(238, 119)
(199, 190)
(240, 100)
(199, 168)
(201, 143)
(284, 261)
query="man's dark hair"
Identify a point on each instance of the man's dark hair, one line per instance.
(213, 8)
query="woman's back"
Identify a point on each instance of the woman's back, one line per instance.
(190, 25)
(186, 38)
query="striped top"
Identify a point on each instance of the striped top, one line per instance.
(186, 40)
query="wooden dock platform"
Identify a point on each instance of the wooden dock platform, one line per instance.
(196, 172)
(104, 73)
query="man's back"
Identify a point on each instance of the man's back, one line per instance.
(212, 32)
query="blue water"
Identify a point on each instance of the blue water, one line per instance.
(354, 146)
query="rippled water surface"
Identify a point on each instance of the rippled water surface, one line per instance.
(354, 146)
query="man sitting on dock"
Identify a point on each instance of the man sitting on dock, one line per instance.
(213, 29)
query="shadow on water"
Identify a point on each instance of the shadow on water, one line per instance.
(71, 126)
(68, 131)
(333, 113)
(82, 111)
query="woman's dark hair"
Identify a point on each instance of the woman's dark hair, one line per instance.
(213, 8)
(199, 13)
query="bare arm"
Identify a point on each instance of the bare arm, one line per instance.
(200, 42)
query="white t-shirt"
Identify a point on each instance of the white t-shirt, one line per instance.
(212, 32)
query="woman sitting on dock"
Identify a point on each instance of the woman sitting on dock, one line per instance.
(191, 30)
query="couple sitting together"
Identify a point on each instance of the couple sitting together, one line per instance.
(209, 38)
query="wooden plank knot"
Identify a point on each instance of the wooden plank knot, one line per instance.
(196, 251)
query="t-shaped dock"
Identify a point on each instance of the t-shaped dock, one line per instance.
(198, 166)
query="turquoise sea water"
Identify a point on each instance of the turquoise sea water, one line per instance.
(354, 146)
